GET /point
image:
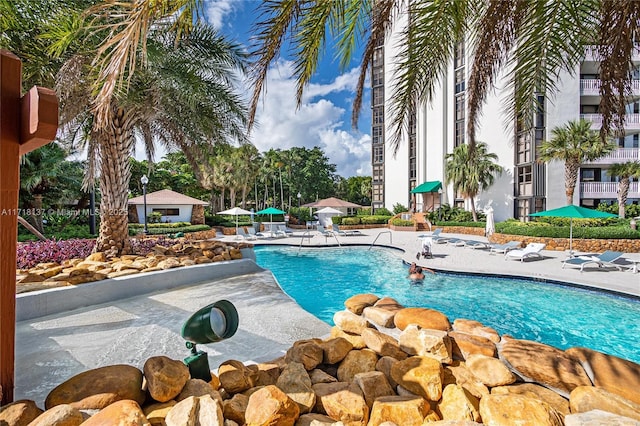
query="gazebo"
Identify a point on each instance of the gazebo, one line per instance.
(333, 202)
(431, 196)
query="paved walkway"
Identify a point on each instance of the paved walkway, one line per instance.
(53, 348)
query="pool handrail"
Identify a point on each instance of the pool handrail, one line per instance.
(380, 233)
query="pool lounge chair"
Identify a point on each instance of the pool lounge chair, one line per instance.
(282, 229)
(436, 238)
(504, 248)
(475, 244)
(531, 250)
(336, 230)
(243, 235)
(325, 232)
(604, 259)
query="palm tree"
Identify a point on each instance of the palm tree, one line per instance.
(533, 41)
(574, 144)
(471, 171)
(624, 171)
(183, 96)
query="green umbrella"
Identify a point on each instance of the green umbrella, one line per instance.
(270, 211)
(574, 212)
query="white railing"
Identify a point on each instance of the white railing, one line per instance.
(606, 190)
(591, 54)
(591, 87)
(631, 121)
(620, 155)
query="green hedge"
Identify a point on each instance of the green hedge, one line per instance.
(541, 229)
(161, 230)
(401, 222)
(467, 224)
(160, 225)
(375, 220)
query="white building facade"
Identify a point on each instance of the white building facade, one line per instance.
(526, 186)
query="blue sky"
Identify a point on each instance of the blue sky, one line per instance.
(323, 120)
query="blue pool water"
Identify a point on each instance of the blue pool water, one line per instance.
(320, 280)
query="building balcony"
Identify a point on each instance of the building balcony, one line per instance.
(591, 54)
(591, 87)
(631, 121)
(606, 190)
(620, 155)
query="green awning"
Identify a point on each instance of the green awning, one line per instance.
(427, 187)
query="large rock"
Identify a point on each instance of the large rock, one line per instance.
(235, 408)
(320, 376)
(350, 322)
(423, 317)
(531, 390)
(587, 398)
(458, 374)
(264, 374)
(379, 316)
(335, 349)
(19, 413)
(314, 419)
(295, 382)
(122, 413)
(384, 365)
(476, 328)
(544, 364)
(196, 411)
(324, 389)
(356, 340)
(465, 344)
(490, 371)
(509, 410)
(357, 362)
(598, 418)
(357, 303)
(198, 387)
(157, 412)
(270, 406)
(307, 352)
(98, 388)
(458, 404)
(388, 304)
(346, 405)
(235, 377)
(426, 342)
(60, 415)
(420, 375)
(614, 374)
(382, 344)
(400, 410)
(373, 384)
(165, 377)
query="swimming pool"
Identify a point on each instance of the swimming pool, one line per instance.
(320, 280)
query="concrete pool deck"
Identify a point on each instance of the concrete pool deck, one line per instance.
(50, 349)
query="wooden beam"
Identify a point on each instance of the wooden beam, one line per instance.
(39, 119)
(10, 69)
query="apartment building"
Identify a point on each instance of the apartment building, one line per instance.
(526, 186)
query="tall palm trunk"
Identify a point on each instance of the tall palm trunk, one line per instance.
(115, 145)
(570, 179)
(623, 193)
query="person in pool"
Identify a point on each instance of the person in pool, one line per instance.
(417, 274)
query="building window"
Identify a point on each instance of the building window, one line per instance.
(376, 191)
(539, 111)
(460, 120)
(378, 76)
(458, 55)
(377, 135)
(460, 81)
(378, 115)
(378, 154)
(167, 212)
(378, 95)
(524, 148)
(523, 209)
(378, 173)
(525, 181)
(378, 57)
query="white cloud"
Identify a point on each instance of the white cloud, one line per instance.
(217, 10)
(318, 121)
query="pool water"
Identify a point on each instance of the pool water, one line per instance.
(320, 280)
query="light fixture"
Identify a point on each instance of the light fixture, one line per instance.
(213, 323)
(299, 197)
(145, 180)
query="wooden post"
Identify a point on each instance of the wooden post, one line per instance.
(25, 124)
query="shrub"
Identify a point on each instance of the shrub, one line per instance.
(364, 211)
(383, 212)
(160, 230)
(467, 224)
(351, 220)
(630, 210)
(446, 213)
(399, 208)
(31, 253)
(377, 219)
(401, 222)
(541, 229)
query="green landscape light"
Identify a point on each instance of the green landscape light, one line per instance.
(213, 323)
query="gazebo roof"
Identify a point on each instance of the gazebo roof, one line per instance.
(332, 202)
(167, 197)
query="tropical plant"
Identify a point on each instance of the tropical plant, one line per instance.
(624, 171)
(533, 41)
(574, 144)
(471, 171)
(183, 96)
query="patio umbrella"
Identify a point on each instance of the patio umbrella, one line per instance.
(573, 212)
(490, 227)
(270, 211)
(235, 212)
(329, 210)
(325, 214)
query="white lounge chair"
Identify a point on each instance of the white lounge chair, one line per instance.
(247, 236)
(475, 244)
(503, 248)
(336, 230)
(436, 238)
(531, 250)
(325, 232)
(282, 229)
(605, 259)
